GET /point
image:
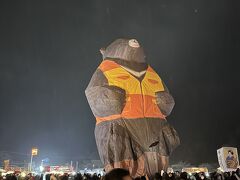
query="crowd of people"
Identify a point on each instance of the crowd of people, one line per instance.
(122, 174)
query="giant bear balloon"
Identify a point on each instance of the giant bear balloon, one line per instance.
(131, 103)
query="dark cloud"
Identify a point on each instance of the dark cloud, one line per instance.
(49, 50)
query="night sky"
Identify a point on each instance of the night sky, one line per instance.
(50, 49)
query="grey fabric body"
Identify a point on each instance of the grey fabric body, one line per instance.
(123, 139)
(120, 49)
(129, 139)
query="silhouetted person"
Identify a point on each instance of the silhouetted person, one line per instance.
(157, 176)
(118, 174)
(238, 172)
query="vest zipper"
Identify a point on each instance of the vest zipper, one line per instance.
(142, 99)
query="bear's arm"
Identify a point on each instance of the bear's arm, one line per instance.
(104, 100)
(165, 101)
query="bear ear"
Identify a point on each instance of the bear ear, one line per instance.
(102, 50)
(133, 43)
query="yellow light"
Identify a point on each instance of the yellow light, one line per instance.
(23, 174)
(34, 151)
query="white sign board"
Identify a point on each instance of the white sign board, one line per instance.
(228, 158)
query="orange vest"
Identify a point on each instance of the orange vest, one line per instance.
(140, 95)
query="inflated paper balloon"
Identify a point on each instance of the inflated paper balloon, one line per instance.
(131, 103)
